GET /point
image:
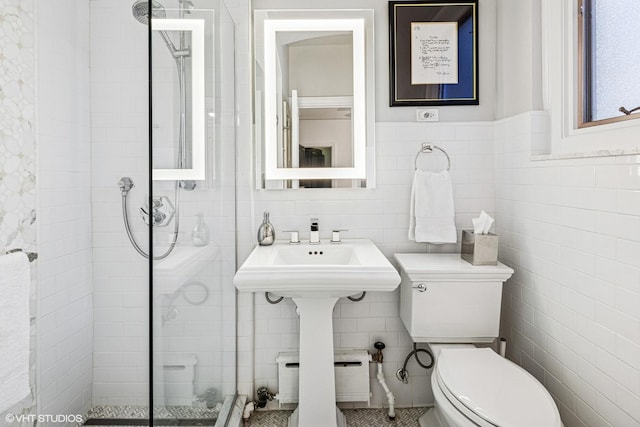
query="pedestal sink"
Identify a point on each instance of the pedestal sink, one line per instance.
(315, 276)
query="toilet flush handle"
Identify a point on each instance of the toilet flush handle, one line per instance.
(422, 287)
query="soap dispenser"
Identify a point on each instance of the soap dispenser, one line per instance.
(200, 233)
(266, 233)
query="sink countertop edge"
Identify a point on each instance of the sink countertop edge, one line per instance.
(374, 272)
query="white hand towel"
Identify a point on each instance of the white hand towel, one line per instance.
(14, 329)
(431, 210)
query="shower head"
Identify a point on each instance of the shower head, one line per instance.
(140, 10)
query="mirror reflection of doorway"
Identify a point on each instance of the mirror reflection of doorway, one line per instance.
(315, 157)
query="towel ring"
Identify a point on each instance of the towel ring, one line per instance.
(428, 148)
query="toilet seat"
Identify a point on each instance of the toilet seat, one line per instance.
(470, 418)
(492, 391)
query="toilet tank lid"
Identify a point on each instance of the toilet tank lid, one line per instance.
(449, 267)
(496, 389)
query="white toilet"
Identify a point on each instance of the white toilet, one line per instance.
(452, 305)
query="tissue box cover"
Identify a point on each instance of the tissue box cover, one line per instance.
(479, 249)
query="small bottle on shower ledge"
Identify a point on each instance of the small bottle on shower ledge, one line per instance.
(200, 233)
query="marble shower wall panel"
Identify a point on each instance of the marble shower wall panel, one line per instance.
(17, 126)
(17, 145)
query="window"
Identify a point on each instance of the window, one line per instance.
(609, 61)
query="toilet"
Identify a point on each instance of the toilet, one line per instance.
(454, 306)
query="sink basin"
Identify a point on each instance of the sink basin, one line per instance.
(322, 255)
(318, 270)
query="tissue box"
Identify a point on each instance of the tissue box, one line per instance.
(479, 249)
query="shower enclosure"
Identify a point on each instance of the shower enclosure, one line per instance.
(164, 205)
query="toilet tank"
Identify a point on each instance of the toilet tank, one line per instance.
(445, 299)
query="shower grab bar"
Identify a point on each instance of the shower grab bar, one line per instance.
(31, 255)
(428, 148)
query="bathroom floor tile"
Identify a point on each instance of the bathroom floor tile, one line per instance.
(405, 417)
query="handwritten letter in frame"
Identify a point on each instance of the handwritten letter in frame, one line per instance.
(433, 53)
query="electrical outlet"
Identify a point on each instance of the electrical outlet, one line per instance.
(427, 115)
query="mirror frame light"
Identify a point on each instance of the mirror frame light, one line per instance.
(197, 172)
(357, 28)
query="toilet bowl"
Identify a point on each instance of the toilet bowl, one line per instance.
(452, 305)
(477, 387)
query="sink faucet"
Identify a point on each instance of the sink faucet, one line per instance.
(314, 236)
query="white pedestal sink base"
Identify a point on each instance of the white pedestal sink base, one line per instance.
(341, 421)
(315, 276)
(317, 383)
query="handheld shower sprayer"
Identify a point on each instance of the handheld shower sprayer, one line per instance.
(125, 184)
(161, 212)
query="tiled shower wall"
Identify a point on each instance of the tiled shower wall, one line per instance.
(65, 291)
(381, 214)
(571, 231)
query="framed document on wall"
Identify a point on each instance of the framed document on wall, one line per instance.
(433, 52)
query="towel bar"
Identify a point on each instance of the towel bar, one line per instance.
(428, 148)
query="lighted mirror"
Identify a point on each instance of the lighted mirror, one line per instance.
(179, 150)
(314, 98)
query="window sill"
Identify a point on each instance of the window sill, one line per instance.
(585, 155)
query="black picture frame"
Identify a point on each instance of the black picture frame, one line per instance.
(430, 63)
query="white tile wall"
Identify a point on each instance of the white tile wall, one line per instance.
(381, 214)
(572, 310)
(65, 292)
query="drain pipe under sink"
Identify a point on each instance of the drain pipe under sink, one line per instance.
(248, 409)
(502, 347)
(377, 357)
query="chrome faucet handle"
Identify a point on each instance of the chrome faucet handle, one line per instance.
(335, 235)
(294, 239)
(314, 233)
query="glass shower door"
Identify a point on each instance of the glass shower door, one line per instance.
(193, 208)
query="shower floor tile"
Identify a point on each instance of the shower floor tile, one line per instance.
(405, 417)
(137, 415)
